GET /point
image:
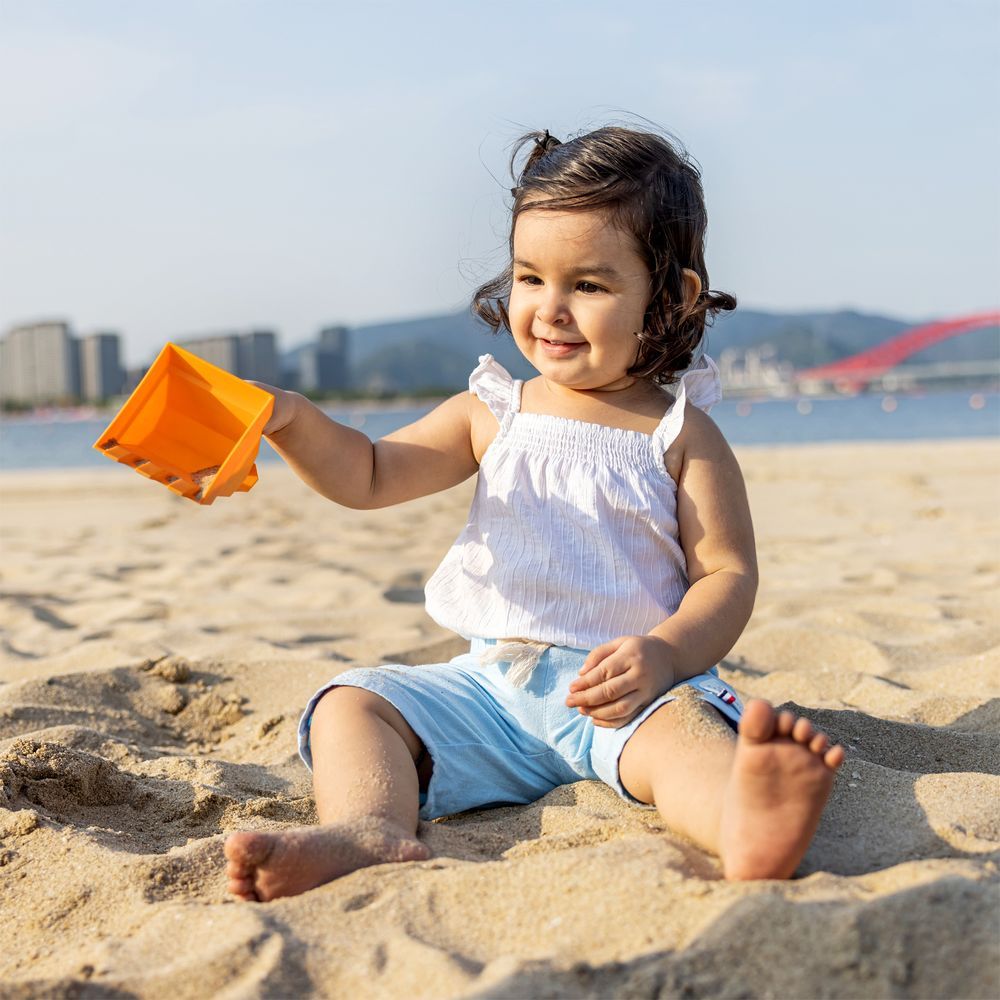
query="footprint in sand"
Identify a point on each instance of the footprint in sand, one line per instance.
(360, 901)
(407, 588)
(36, 605)
(436, 652)
(61, 783)
(155, 804)
(162, 703)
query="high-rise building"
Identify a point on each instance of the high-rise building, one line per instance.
(325, 364)
(40, 363)
(253, 354)
(258, 356)
(101, 372)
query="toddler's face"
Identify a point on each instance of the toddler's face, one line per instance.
(578, 298)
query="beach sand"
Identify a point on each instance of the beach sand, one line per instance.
(156, 655)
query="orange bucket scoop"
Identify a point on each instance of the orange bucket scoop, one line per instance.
(191, 426)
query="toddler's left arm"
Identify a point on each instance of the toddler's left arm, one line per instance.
(621, 677)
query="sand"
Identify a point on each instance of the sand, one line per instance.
(156, 655)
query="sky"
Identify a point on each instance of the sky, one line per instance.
(170, 168)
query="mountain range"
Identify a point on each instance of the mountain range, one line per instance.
(438, 352)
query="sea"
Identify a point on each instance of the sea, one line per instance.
(65, 439)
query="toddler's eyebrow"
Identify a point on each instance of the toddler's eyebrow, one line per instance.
(602, 270)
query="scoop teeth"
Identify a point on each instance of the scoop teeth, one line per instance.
(182, 488)
(114, 450)
(176, 484)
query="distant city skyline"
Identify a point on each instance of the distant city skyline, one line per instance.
(170, 171)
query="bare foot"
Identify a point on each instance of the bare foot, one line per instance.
(263, 866)
(781, 779)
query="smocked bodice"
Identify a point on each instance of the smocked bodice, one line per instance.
(572, 535)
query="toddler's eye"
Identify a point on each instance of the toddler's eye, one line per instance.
(589, 287)
(529, 279)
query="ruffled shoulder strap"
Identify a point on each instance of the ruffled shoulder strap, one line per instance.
(493, 384)
(700, 386)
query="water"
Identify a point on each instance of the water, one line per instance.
(962, 414)
(60, 444)
(68, 444)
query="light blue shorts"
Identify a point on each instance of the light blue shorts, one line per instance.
(494, 744)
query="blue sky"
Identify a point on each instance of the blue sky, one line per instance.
(172, 168)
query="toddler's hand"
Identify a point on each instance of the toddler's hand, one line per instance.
(284, 407)
(620, 678)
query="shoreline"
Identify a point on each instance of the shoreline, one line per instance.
(274, 461)
(85, 412)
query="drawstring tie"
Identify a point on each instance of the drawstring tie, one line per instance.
(522, 655)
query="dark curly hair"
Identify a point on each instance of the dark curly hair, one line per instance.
(648, 186)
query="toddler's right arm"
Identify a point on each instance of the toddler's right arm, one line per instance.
(342, 464)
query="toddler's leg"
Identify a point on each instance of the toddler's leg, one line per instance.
(755, 800)
(367, 795)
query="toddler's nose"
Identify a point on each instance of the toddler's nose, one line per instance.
(552, 310)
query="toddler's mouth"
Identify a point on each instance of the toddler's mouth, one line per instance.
(559, 348)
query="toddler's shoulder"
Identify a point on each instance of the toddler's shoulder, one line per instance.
(698, 424)
(698, 439)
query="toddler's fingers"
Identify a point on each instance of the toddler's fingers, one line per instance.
(615, 712)
(610, 666)
(597, 654)
(601, 693)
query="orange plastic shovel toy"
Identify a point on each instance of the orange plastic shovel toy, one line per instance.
(191, 426)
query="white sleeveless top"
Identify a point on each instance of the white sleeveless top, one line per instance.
(572, 537)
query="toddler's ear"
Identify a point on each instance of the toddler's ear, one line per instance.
(692, 287)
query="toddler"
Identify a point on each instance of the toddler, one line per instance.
(607, 564)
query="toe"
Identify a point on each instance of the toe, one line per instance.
(802, 731)
(834, 757)
(248, 850)
(230, 847)
(757, 721)
(242, 889)
(236, 869)
(784, 724)
(819, 744)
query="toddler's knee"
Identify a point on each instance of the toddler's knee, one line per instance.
(343, 705)
(350, 701)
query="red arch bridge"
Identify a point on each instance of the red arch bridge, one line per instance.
(856, 371)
